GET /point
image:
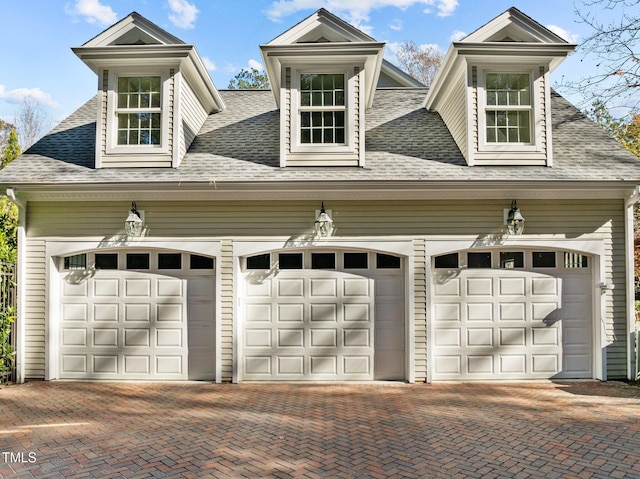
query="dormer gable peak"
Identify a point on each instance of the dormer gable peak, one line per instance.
(513, 26)
(133, 29)
(320, 27)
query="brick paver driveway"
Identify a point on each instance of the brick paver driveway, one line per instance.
(80, 429)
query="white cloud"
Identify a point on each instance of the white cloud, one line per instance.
(254, 64)
(457, 35)
(396, 24)
(355, 12)
(184, 14)
(19, 95)
(561, 32)
(93, 12)
(209, 65)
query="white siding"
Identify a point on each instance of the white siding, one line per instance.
(453, 110)
(420, 220)
(35, 294)
(192, 116)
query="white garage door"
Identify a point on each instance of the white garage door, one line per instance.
(323, 316)
(137, 315)
(512, 315)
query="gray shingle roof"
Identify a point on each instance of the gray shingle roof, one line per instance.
(403, 142)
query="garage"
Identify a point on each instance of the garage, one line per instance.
(512, 315)
(137, 315)
(323, 315)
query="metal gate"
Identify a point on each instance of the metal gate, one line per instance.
(7, 322)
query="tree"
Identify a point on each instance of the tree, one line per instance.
(5, 131)
(616, 46)
(8, 230)
(31, 123)
(249, 80)
(420, 61)
(11, 150)
(626, 131)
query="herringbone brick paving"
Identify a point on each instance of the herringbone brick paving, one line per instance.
(381, 430)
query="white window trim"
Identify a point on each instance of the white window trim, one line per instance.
(536, 108)
(349, 107)
(112, 146)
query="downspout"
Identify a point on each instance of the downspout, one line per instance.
(20, 297)
(629, 263)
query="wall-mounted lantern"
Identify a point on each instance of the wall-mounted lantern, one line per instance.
(324, 223)
(515, 221)
(134, 224)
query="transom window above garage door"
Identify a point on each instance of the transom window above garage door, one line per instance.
(323, 260)
(511, 260)
(137, 261)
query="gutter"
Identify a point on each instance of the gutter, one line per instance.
(630, 292)
(21, 282)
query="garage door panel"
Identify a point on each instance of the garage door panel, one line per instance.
(137, 287)
(512, 311)
(479, 286)
(105, 337)
(290, 288)
(105, 364)
(137, 365)
(480, 364)
(106, 288)
(74, 363)
(480, 337)
(290, 313)
(75, 312)
(137, 312)
(74, 337)
(357, 365)
(356, 287)
(71, 289)
(170, 312)
(448, 337)
(315, 328)
(323, 313)
(512, 337)
(108, 312)
(291, 366)
(136, 328)
(529, 327)
(513, 364)
(512, 286)
(357, 312)
(291, 338)
(169, 365)
(324, 338)
(447, 312)
(324, 287)
(447, 287)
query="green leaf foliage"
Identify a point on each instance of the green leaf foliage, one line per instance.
(249, 80)
(11, 150)
(625, 130)
(8, 230)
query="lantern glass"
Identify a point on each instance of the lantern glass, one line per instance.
(133, 225)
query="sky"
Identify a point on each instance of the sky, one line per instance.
(36, 61)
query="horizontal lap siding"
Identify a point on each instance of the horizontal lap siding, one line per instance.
(293, 220)
(35, 294)
(193, 115)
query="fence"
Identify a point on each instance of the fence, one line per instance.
(7, 322)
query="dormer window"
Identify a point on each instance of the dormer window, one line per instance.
(139, 110)
(322, 108)
(508, 109)
(323, 112)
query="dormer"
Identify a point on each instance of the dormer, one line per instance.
(323, 73)
(154, 94)
(493, 91)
